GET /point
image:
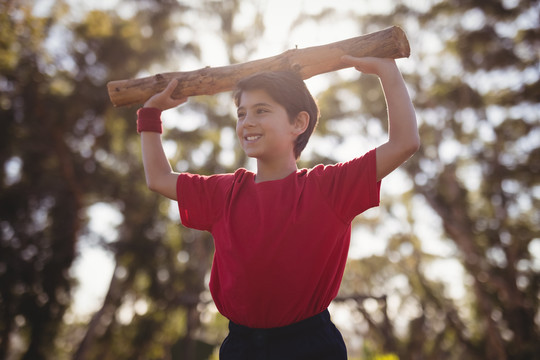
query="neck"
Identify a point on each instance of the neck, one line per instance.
(273, 171)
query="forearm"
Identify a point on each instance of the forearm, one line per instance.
(403, 140)
(155, 161)
(157, 169)
(402, 127)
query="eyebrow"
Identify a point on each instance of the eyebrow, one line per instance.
(255, 105)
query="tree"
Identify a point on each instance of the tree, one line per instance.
(40, 194)
(60, 156)
(492, 223)
(475, 87)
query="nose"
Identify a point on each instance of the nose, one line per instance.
(248, 121)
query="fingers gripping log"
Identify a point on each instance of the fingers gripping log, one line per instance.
(388, 43)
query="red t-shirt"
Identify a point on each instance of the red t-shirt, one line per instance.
(280, 246)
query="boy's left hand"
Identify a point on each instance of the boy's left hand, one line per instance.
(370, 65)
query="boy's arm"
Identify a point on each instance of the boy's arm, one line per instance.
(157, 169)
(403, 140)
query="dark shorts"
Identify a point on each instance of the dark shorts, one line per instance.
(315, 338)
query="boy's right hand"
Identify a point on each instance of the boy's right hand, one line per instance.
(163, 100)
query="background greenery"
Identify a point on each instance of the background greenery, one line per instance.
(469, 199)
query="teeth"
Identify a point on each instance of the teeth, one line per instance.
(251, 138)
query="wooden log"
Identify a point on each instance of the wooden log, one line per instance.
(388, 43)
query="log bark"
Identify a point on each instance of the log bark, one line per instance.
(388, 43)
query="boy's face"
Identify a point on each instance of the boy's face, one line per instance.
(263, 127)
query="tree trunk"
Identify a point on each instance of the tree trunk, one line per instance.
(109, 305)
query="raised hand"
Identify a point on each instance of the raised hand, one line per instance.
(403, 139)
(371, 65)
(163, 100)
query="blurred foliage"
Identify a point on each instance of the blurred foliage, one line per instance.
(478, 172)
(474, 78)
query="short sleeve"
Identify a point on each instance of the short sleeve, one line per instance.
(351, 187)
(201, 198)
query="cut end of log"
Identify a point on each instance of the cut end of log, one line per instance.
(402, 42)
(113, 87)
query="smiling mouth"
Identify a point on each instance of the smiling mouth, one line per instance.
(252, 137)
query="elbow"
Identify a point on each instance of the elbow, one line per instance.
(163, 185)
(415, 145)
(411, 147)
(152, 185)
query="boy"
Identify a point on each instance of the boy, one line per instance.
(281, 234)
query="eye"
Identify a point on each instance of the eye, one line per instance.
(241, 115)
(261, 110)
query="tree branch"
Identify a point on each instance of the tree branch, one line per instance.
(388, 43)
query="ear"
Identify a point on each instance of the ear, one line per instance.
(301, 123)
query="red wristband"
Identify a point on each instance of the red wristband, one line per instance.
(149, 119)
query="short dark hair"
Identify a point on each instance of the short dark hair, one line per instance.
(289, 90)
